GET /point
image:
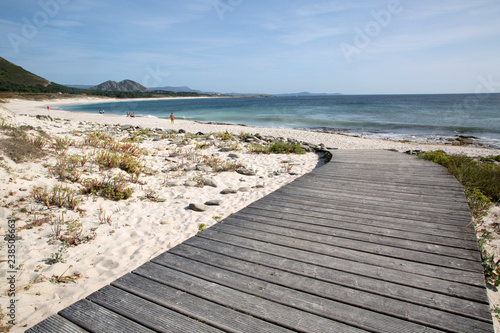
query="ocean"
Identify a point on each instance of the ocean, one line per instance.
(399, 117)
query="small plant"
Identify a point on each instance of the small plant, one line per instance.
(496, 312)
(287, 166)
(491, 157)
(202, 227)
(103, 218)
(152, 195)
(112, 188)
(225, 136)
(58, 257)
(59, 196)
(284, 148)
(257, 148)
(144, 131)
(37, 222)
(65, 278)
(62, 144)
(74, 233)
(39, 141)
(491, 268)
(203, 145)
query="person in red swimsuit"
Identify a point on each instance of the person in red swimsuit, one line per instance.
(172, 118)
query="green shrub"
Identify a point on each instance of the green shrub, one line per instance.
(257, 148)
(112, 188)
(491, 157)
(285, 148)
(484, 177)
(59, 196)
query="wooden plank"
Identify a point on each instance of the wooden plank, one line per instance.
(360, 199)
(95, 318)
(56, 323)
(147, 313)
(277, 313)
(349, 295)
(389, 190)
(261, 215)
(413, 255)
(373, 194)
(183, 302)
(397, 205)
(470, 277)
(444, 230)
(287, 227)
(379, 210)
(422, 228)
(304, 297)
(393, 288)
(347, 215)
(371, 270)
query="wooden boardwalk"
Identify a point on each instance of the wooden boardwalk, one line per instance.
(374, 241)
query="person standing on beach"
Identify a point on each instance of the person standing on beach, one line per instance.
(48, 108)
(172, 118)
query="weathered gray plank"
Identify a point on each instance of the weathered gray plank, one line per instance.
(147, 313)
(371, 270)
(347, 215)
(379, 211)
(183, 302)
(470, 277)
(305, 299)
(291, 220)
(280, 314)
(291, 228)
(95, 318)
(366, 299)
(394, 288)
(424, 228)
(362, 204)
(362, 200)
(305, 303)
(56, 323)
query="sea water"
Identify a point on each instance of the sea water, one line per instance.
(400, 117)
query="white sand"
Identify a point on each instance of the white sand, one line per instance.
(140, 229)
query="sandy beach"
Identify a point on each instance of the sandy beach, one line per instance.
(64, 254)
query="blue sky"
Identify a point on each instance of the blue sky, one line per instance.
(350, 47)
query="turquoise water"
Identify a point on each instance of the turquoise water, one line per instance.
(388, 116)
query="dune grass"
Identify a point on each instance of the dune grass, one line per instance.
(481, 182)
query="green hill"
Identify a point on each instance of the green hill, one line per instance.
(13, 74)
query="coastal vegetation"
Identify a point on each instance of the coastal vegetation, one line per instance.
(15, 81)
(481, 182)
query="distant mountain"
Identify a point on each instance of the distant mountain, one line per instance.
(305, 93)
(16, 75)
(79, 86)
(125, 85)
(177, 89)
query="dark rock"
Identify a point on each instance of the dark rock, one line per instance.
(229, 191)
(198, 207)
(182, 131)
(210, 182)
(213, 203)
(245, 171)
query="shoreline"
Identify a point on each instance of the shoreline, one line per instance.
(330, 140)
(121, 235)
(456, 138)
